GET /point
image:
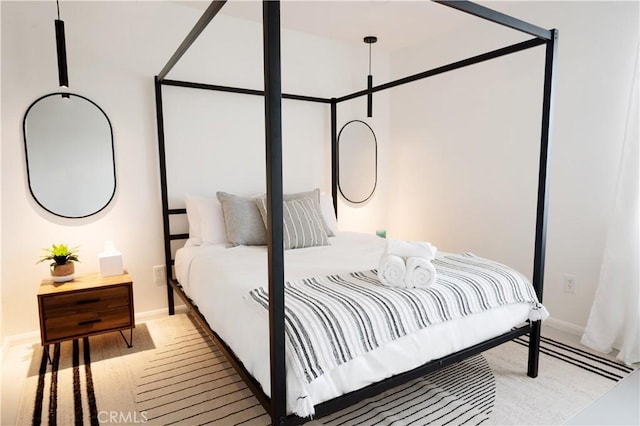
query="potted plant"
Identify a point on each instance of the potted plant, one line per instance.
(62, 267)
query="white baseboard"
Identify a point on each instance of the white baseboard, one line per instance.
(158, 313)
(567, 327)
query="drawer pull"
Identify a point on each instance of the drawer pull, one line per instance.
(93, 321)
(86, 301)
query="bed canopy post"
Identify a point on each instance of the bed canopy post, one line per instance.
(543, 195)
(164, 195)
(275, 249)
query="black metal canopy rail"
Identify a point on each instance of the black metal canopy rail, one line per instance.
(276, 405)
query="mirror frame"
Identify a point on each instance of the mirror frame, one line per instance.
(375, 145)
(26, 153)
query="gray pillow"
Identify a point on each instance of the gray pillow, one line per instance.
(314, 195)
(243, 222)
(302, 223)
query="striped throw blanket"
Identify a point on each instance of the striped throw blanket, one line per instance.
(333, 319)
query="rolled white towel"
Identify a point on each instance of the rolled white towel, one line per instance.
(392, 270)
(420, 273)
(410, 249)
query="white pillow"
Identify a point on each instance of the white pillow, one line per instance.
(195, 229)
(206, 223)
(328, 213)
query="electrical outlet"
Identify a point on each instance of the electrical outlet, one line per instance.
(569, 284)
(160, 274)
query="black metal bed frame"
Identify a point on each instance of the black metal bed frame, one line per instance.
(276, 405)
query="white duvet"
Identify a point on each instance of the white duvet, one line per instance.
(218, 280)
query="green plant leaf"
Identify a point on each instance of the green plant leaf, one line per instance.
(60, 254)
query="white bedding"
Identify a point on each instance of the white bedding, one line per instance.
(219, 279)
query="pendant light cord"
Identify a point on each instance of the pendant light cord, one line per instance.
(58, 7)
(369, 58)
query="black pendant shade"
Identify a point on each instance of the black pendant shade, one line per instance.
(63, 76)
(369, 96)
(370, 40)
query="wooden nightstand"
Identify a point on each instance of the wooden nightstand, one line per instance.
(88, 305)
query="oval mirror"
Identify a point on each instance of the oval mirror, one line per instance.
(68, 143)
(357, 161)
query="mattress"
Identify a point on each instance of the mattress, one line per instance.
(218, 280)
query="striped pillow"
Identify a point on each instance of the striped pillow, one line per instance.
(302, 223)
(314, 195)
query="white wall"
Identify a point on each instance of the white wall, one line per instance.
(234, 159)
(465, 145)
(114, 49)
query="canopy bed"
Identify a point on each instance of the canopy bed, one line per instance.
(271, 378)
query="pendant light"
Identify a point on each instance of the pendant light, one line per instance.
(370, 40)
(63, 76)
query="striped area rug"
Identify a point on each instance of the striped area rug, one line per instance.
(176, 375)
(607, 368)
(53, 387)
(91, 381)
(190, 382)
(463, 393)
(569, 379)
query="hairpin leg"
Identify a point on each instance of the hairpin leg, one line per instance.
(46, 349)
(130, 342)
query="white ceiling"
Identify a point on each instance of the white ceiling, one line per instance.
(350, 21)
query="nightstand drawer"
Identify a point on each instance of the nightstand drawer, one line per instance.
(89, 322)
(66, 305)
